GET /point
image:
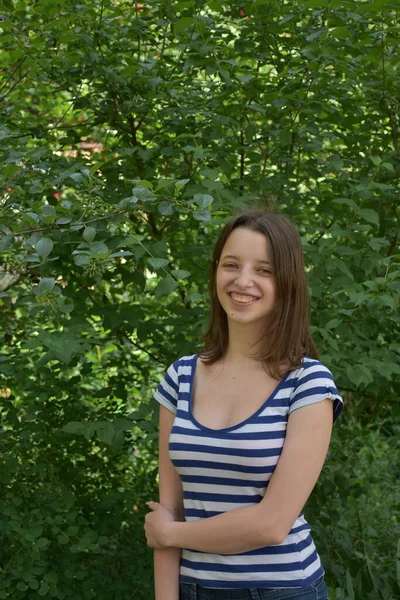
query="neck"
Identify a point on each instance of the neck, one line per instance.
(242, 344)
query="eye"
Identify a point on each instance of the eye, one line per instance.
(265, 271)
(229, 265)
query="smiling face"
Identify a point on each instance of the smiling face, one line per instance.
(244, 279)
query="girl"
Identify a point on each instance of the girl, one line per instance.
(244, 430)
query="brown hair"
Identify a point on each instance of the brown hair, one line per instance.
(286, 337)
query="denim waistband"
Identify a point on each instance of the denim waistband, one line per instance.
(192, 591)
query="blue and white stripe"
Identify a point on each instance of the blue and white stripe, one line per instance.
(230, 468)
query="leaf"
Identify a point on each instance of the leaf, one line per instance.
(73, 427)
(316, 34)
(82, 259)
(317, 3)
(163, 183)
(181, 183)
(121, 254)
(33, 217)
(369, 215)
(165, 287)
(62, 539)
(123, 424)
(202, 216)
(344, 268)
(51, 577)
(33, 584)
(106, 433)
(180, 273)
(47, 211)
(66, 305)
(141, 192)
(376, 160)
(98, 250)
(359, 374)
(63, 220)
(203, 200)
(132, 240)
(43, 590)
(128, 202)
(89, 233)
(165, 208)
(118, 442)
(78, 177)
(349, 585)
(341, 32)
(183, 24)
(347, 202)
(44, 246)
(158, 263)
(377, 243)
(5, 241)
(45, 287)
(103, 539)
(62, 345)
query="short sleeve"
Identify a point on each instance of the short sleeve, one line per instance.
(167, 392)
(314, 384)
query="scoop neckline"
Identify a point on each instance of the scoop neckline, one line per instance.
(242, 423)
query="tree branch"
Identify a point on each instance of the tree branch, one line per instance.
(12, 74)
(117, 212)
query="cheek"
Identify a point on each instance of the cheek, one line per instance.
(223, 279)
(221, 282)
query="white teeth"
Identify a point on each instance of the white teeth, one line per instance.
(244, 299)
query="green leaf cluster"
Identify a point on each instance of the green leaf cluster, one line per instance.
(129, 134)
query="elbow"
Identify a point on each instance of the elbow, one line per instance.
(275, 534)
(274, 530)
(279, 538)
(274, 538)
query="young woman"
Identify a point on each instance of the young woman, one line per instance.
(244, 430)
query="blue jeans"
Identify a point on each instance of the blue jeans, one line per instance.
(315, 591)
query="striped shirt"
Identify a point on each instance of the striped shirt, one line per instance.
(230, 468)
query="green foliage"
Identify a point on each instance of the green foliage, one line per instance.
(129, 133)
(354, 511)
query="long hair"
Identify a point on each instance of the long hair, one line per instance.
(286, 337)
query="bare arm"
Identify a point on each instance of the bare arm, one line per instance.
(269, 522)
(167, 561)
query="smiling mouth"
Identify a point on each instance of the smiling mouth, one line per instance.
(243, 298)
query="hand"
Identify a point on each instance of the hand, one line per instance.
(156, 525)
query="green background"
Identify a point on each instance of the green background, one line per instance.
(129, 133)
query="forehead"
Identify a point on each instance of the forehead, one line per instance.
(246, 243)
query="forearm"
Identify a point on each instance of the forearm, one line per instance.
(233, 532)
(166, 573)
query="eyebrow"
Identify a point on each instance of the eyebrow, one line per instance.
(237, 258)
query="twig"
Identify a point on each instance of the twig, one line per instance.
(320, 235)
(145, 350)
(14, 85)
(117, 212)
(11, 76)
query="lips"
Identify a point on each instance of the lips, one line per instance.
(242, 298)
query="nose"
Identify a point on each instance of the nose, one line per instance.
(244, 279)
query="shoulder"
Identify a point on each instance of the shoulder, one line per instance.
(180, 368)
(312, 369)
(178, 374)
(314, 382)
